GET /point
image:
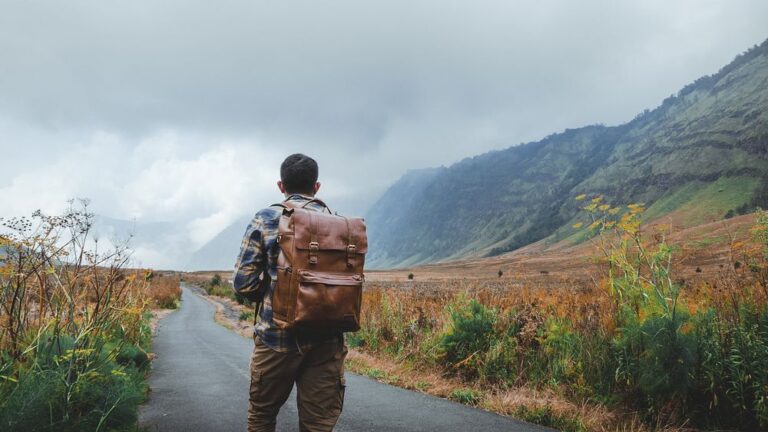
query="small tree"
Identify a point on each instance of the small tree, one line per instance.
(216, 280)
(501, 273)
(410, 276)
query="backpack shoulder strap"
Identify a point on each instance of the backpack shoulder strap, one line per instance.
(318, 201)
(287, 205)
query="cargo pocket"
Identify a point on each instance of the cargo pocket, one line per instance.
(256, 385)
(342, 391)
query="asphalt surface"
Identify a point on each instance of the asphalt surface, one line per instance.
(199, 382)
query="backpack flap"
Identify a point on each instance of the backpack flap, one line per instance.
(318, 234)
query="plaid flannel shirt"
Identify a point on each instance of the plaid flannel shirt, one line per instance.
(258, 255)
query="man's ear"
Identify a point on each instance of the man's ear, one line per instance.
(317, 187)
(280, 186)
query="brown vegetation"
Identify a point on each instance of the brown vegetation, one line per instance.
(164, 290)
(73, 326)
(637, 343)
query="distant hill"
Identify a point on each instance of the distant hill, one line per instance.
(703, 151)
(221, 252)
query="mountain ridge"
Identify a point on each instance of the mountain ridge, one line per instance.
(713, 130)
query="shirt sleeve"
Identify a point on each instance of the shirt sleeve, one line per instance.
(251, 261)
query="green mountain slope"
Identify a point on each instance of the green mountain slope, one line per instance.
(704, 150)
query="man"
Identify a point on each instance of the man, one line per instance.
(312, 360)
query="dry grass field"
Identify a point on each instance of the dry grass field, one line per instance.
(659, 327)
(704, 247)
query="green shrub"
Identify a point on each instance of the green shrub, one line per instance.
(72, 361)
(366, 337)
(103, 397)
(355, 340)
(246, 315)
(499, 361)
(656, 360)
(545, 416)
(221, 291)
(466, 396)
(597, 360)
(380, 375)
(733, 374)
(470, 334)
(561, 353)
(131, 355)
(242, 300)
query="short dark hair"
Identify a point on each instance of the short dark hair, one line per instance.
(299, 172)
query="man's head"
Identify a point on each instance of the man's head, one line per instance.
(298, 175)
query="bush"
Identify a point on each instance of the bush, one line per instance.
(103, 394)
(546, 416)
(354, 340)
(466, 396)
(733, 375)
(74, 329)
(560, 357)
(469, 335)
(498, 363)
(242, 300)
(131, 355)
(656, 360)
(692, 356)
(221, 291)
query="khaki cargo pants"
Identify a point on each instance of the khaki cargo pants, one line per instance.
(319, 377)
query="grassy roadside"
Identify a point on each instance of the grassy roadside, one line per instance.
(75, 329)
(541, 407)
(641, 350)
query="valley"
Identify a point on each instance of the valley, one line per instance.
(700, 156)
(703, 251)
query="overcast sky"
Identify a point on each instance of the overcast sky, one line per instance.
(181, 111)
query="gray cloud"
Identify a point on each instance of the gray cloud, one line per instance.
(91, 91)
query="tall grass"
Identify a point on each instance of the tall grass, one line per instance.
(639, 340)
(73, 328)
(164, 290)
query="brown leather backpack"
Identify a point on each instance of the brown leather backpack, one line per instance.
(319, 270)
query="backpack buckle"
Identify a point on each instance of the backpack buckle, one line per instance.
(313, 248)
(351, 249)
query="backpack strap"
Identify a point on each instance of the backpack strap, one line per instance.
(314, 246)
(351, 246)
(288, 205)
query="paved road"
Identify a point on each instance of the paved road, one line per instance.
(199, 382)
